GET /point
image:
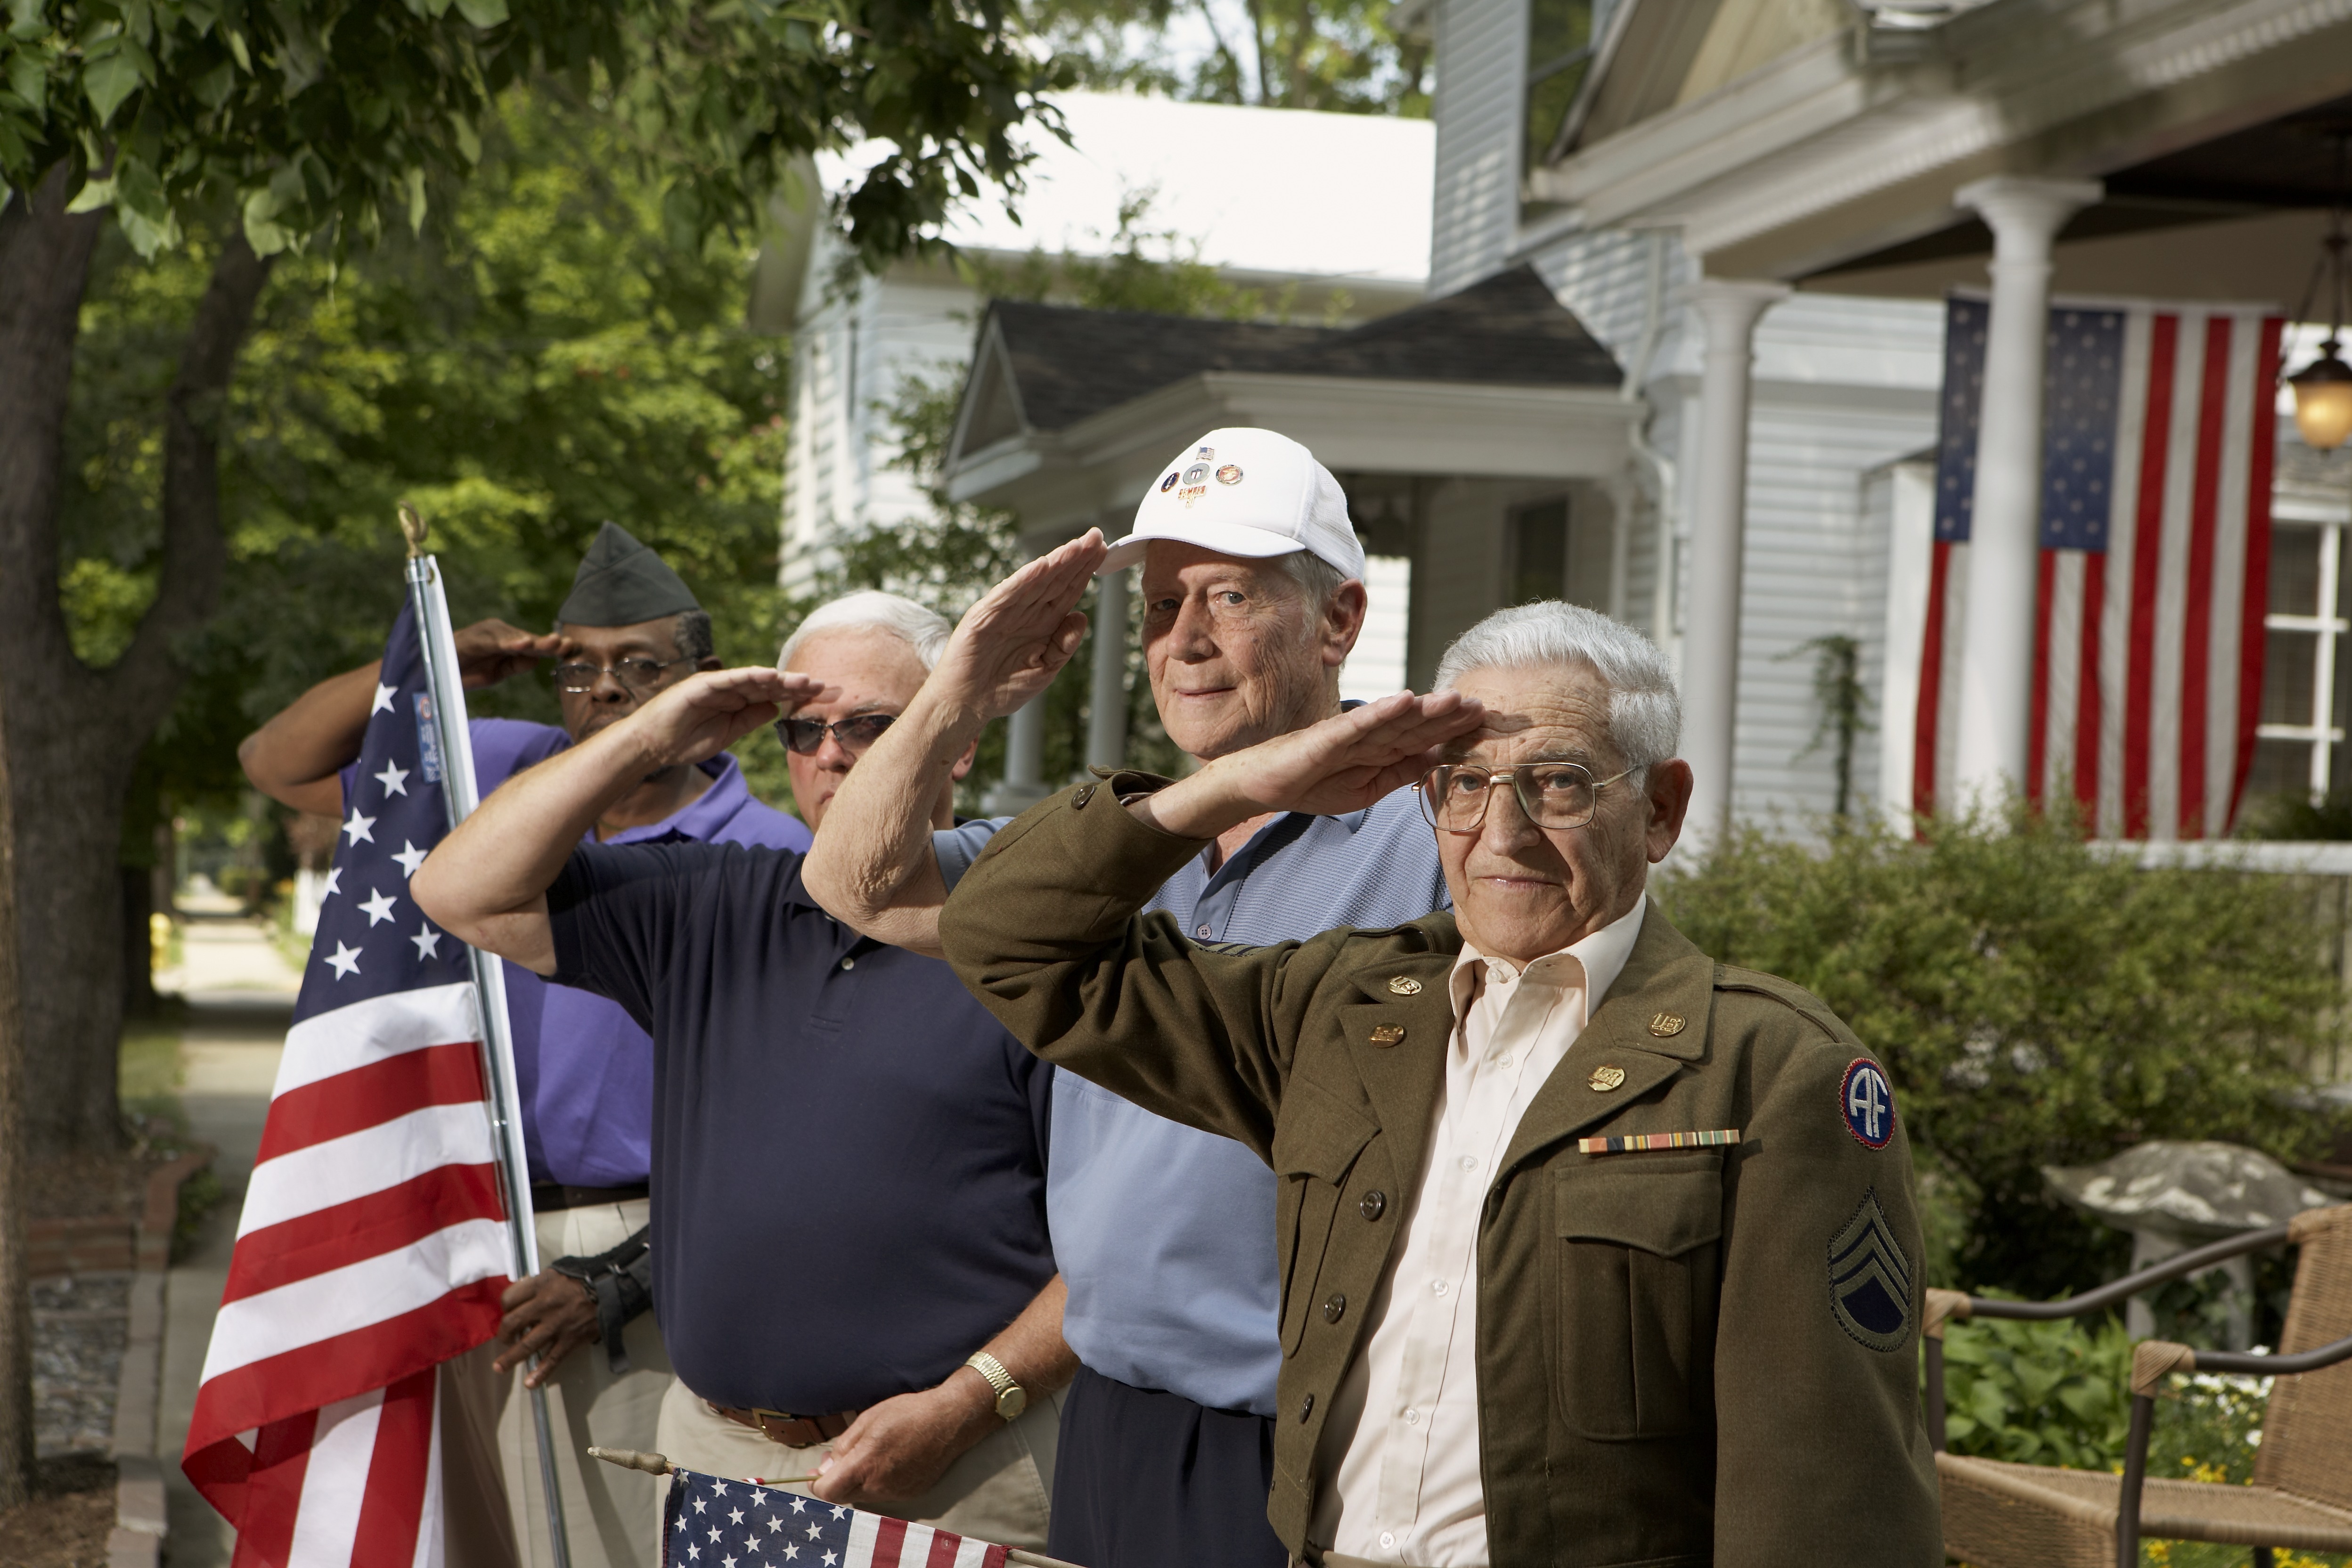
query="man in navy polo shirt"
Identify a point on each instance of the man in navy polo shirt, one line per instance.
(1253, 597)
(629, 630)
(854, 1279)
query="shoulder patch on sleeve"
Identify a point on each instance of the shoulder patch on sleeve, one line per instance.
(1866, 1100)
(1870, 1279)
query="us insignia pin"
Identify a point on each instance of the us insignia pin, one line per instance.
(1230, 474)
(1603, 1079)
(1666, 1024)
(1870, 1279)
(1387, 1033)
(1169, 482)
(1404, 985)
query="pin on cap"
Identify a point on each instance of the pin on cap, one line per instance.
(1247, 492)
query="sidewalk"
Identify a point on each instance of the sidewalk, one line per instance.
(240, 993)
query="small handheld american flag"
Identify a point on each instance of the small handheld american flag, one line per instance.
(714, 1523)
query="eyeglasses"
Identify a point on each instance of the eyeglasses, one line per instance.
(640, 675)
(853, 735)
(1553, 794)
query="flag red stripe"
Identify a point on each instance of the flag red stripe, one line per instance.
(2037, 735)
(343, 1234)
(2087, 703)
(2197, 627)
(371, 1096)
(345, 1366)
(272, 1492)
(889, 1534)
(394, 1505)
(944, 1547)
(2253, 644)
(1931, 684)
(2147, 547)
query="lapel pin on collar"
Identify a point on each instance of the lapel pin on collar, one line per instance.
(1663, 1025)
(1605, 1079)
(1404, 985)
(1387, 1033)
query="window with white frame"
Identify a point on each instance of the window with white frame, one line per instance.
(2299, 748)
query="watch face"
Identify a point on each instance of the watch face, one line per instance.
(1013, 1402)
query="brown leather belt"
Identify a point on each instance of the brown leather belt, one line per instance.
(546, 1197)
(792, 1431)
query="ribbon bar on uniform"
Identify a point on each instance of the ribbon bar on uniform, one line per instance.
(1637, 1142)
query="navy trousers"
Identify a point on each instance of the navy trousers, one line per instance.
(1144, 1479)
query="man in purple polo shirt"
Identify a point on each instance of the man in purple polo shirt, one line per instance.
(629, 630)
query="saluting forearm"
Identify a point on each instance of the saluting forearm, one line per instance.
(487, 881)
(872, 868)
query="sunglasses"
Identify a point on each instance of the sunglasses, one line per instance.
(804, 736)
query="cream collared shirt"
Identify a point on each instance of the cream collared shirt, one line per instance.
(1401, 1449)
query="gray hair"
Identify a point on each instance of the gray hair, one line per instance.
(1645, 712)
(1315, 577)
(925, 631)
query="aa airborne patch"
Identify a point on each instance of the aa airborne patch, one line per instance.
(1870, 1279)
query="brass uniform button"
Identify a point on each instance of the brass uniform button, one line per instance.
(1387, 1033)
(1334, 1308)
(1666, 1024)
(1372, 1203)
(1307, 1407)
(1404, 985)
(1079, 801)
(1603, 1079)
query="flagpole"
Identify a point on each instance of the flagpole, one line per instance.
(446, 690)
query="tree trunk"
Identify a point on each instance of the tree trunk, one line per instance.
(16, 1289)
(73, 734)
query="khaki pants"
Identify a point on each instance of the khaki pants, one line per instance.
(611, 1516)
(996, 1492)
(475, 1531)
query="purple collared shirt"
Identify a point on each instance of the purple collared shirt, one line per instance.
(585, 1071)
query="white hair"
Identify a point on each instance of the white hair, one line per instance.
(1645, 712)
(925, 631)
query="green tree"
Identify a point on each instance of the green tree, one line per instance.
(2037, 1002)
(246, 134)
(1332, 54)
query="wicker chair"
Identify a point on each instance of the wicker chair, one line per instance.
(2002, 1515)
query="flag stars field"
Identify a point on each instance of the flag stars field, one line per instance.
(360, 829)
(427, 941)
(378, 909)
(394, 779)
(410, 857)
(345, 961)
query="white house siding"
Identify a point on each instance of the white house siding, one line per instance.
(1481, 45)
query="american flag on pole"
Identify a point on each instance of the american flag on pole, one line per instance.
(375, 1242)
(709, 1522)
(2158, 433)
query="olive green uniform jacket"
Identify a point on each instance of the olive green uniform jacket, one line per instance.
(1704, 1355)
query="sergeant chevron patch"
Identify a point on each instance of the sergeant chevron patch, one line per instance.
(1870, 1279)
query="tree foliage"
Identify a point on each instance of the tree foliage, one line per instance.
(546, 360)
(328, 117)
(2038, 1002)
(1331, 55)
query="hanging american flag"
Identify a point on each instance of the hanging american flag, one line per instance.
(374, 1243)
(2159, 433)
(709, 1522)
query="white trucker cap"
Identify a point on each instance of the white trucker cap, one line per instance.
(1248, 492)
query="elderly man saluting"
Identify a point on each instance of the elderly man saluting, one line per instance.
(1253, 596)
(1594, 1251)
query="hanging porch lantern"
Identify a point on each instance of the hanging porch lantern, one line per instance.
(2322, 389)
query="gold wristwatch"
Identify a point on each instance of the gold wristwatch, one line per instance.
(1012, 1399)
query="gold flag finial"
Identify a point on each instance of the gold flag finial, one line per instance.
(414, 527)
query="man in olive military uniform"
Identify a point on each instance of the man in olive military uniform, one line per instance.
(1593, 1251)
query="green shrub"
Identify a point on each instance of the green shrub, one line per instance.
(2036, 1003)
(2038, 1393)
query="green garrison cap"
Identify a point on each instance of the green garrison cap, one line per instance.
(620, 583)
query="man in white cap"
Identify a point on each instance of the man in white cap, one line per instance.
(1253, 598)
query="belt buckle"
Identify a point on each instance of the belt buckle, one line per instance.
(787, 1418)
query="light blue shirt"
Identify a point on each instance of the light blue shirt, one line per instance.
(1164, 1233)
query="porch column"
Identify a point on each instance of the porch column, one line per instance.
(1997, 658)
(1107, 703)
(1710, 675)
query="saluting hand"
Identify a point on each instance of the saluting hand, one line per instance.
(1009, 647)
(1342, 764)
(491, 651)
(704, 714)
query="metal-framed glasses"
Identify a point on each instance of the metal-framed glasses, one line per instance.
(853, 735)
(638, 675)
(1453, 796)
